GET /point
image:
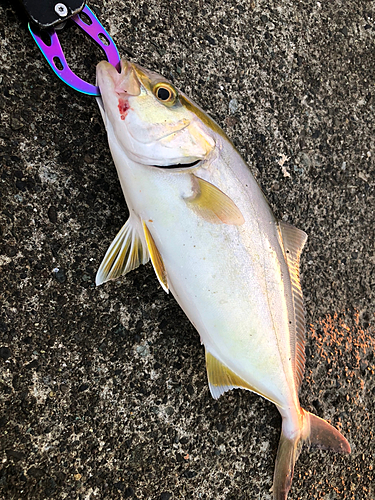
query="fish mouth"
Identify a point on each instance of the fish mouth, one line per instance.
(180, 166)
(124, 83)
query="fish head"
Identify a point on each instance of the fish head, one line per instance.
(153, 122)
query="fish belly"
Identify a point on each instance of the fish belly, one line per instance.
(229, 280)
(234, 297)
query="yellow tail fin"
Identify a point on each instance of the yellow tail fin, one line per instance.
(315, 431)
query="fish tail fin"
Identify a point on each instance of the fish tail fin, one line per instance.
(287, 455)
(313, 430)
(324, 436)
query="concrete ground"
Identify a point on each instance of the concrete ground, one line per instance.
(103, 390)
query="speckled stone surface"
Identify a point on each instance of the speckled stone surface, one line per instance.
(103, 390)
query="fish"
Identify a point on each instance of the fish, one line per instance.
(198, 214)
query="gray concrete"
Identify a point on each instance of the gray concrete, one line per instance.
(103, 390)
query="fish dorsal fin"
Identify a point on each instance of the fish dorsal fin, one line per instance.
(212, 204)
(156, 259)
(293, 240)
(126, 252)
(222, 379)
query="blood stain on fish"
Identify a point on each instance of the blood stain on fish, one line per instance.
(123, 107)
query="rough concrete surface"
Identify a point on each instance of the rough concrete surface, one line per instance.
(103, 390)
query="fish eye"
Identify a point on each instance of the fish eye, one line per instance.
(165, 93)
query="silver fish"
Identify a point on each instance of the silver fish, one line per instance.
(197, 212)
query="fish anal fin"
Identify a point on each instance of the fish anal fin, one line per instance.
(156, 259)
(210, 203)
(222, 379)
(293, 241)
(127, 251)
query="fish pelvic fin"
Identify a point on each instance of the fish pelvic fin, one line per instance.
(127, 251)
(156, 259)
(314, 431)
(212, 205)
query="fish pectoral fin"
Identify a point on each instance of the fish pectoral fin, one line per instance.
(293, 241)
(212, 204)
(156, 259)
(126, 252)
(222, 379)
